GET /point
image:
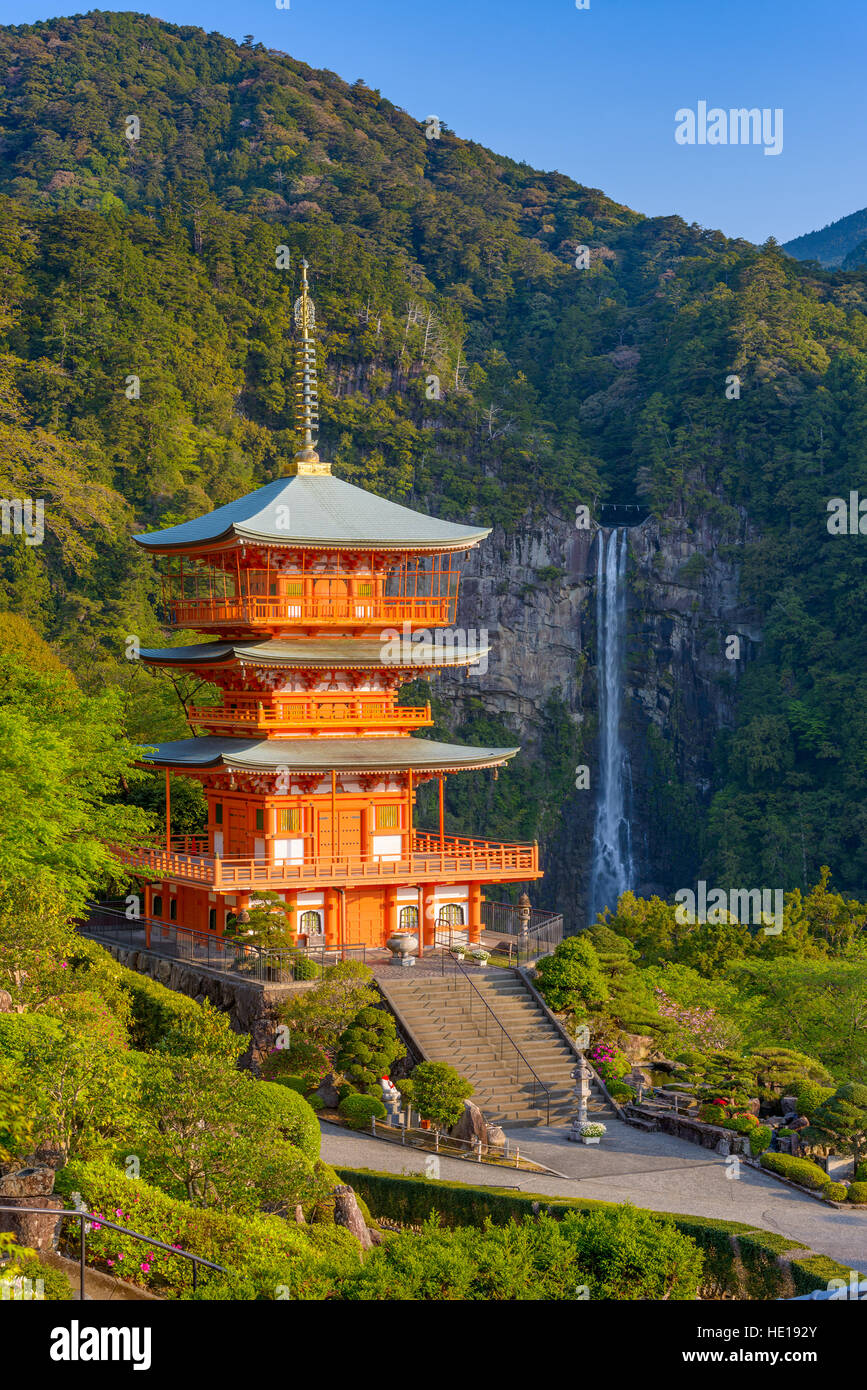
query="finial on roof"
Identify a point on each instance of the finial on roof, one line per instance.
(306, 459)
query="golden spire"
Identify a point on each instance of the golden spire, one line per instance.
(306, 460)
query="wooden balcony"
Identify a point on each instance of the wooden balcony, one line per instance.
(454, 861)
(328, 716)
(258, 614)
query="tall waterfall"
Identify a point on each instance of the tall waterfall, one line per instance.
(612, 868)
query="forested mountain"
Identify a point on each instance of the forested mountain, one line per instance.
(156, 258)
(839, 243)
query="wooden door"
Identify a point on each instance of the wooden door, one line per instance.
(237, 845)
(349, 835)
(365, 917)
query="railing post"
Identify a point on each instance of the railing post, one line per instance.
(82, 1261)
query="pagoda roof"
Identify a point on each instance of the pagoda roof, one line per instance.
(315, 510)
(304, 652)
(305, 755)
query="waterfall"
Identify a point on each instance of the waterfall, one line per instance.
(612, 868)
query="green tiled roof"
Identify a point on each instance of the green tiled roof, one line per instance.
(314, 510)
(301, 652)
(323, 754)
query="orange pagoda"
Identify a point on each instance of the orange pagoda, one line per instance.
(319, 600)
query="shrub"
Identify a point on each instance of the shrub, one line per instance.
(861, 1171)
(406, 1087)
(358, 1110)
(572, 975)
(798, 1170)
(303, 968)
(316, 1102)
(440, 1093)
(856, 1192)
(244, 1245)
(619, 1091)
(836, 1192)
(295, 1083)
(742, 1123)
(810, 1095)
(760, 1138)
(368, 1047)
(55, 1284)
(291, 1113)
(154, 1009)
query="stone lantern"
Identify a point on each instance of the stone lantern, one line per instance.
(581, 1077)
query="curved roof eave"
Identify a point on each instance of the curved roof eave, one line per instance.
(350, 653)
(317, 755)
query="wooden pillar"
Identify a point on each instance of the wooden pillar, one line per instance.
(409, 813)
(427, 935)
(442, 815)
(474, 915)
(392, 916)
(332, 916)
(168, 812)
(334, 847)
(148, 904)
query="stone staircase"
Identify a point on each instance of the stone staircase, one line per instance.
(448, 1022)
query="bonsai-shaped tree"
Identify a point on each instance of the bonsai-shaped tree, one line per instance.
(572, 976)
(268, 921)
(367, 1049)
(730, 1075)
(779, 1068)
(439, 1093)
(842, 1120)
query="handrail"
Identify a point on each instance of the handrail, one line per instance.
(62, 1213)
(536, 1079)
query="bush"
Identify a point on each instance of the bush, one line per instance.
(619, 1091)
(56, 1287)
(836, 1192)
(406, 1087)
(154, 1010)
(810, 1095)
(439, 1093)
(368, 1047)
(861, 1171)
(617, 1254)
(295, 1083)
(303, 968)
(293, 1116)
(316, 1102)
(245, 1245)
(572, 975)
(358, 1110)
(798, 1170)
(856, 1192)
(760, 1138)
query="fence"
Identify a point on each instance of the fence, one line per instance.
(446, 1146)
(87, 1219)
(217, 953)
(529, 932)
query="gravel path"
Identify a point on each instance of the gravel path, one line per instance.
(650, 1170)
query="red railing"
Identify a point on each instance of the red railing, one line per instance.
(311, 612)
(457, 859)
(327, 715)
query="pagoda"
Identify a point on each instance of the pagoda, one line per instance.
(318, 600)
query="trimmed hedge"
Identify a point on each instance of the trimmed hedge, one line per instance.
(799, 1170)
(358, 1110)
(835, 1192)
(738, 1259)
(256, 1249)
(295, 1118)
(857, 1192)
(154, 1009)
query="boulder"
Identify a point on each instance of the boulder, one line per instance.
(5, 1002)
(327, 1093)
(495, 1135)
(796, 1122)
(30, 1187)
(471, 1126)
(347, 1213)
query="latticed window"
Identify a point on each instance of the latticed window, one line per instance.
(311, 923)
(409, 919)
(289, 821)
(365, 588)
(451, 915)
(388, 817)
(294, 588)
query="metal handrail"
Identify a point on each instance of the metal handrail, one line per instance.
(537, 1081)
(84, 1216)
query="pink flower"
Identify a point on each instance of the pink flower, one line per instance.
(145, 1269)
(109, 1263)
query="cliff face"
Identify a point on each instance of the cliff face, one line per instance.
(534, 591)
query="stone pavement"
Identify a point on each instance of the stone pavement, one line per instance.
(650, 1170)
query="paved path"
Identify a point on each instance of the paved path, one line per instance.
(649, 1170)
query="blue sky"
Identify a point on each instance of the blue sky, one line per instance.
(593, 92)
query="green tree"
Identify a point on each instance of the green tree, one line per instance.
(367, 1049)
(572, 975)
(439, 1093)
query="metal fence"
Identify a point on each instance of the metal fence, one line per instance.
(526, 932)
(106, 922)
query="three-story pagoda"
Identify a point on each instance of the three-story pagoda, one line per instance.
(311, 592)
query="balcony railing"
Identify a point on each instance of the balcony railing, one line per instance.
(452, 861)
(311, 612)
(322, 716)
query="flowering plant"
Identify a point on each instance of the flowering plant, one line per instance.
(593, 1130)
